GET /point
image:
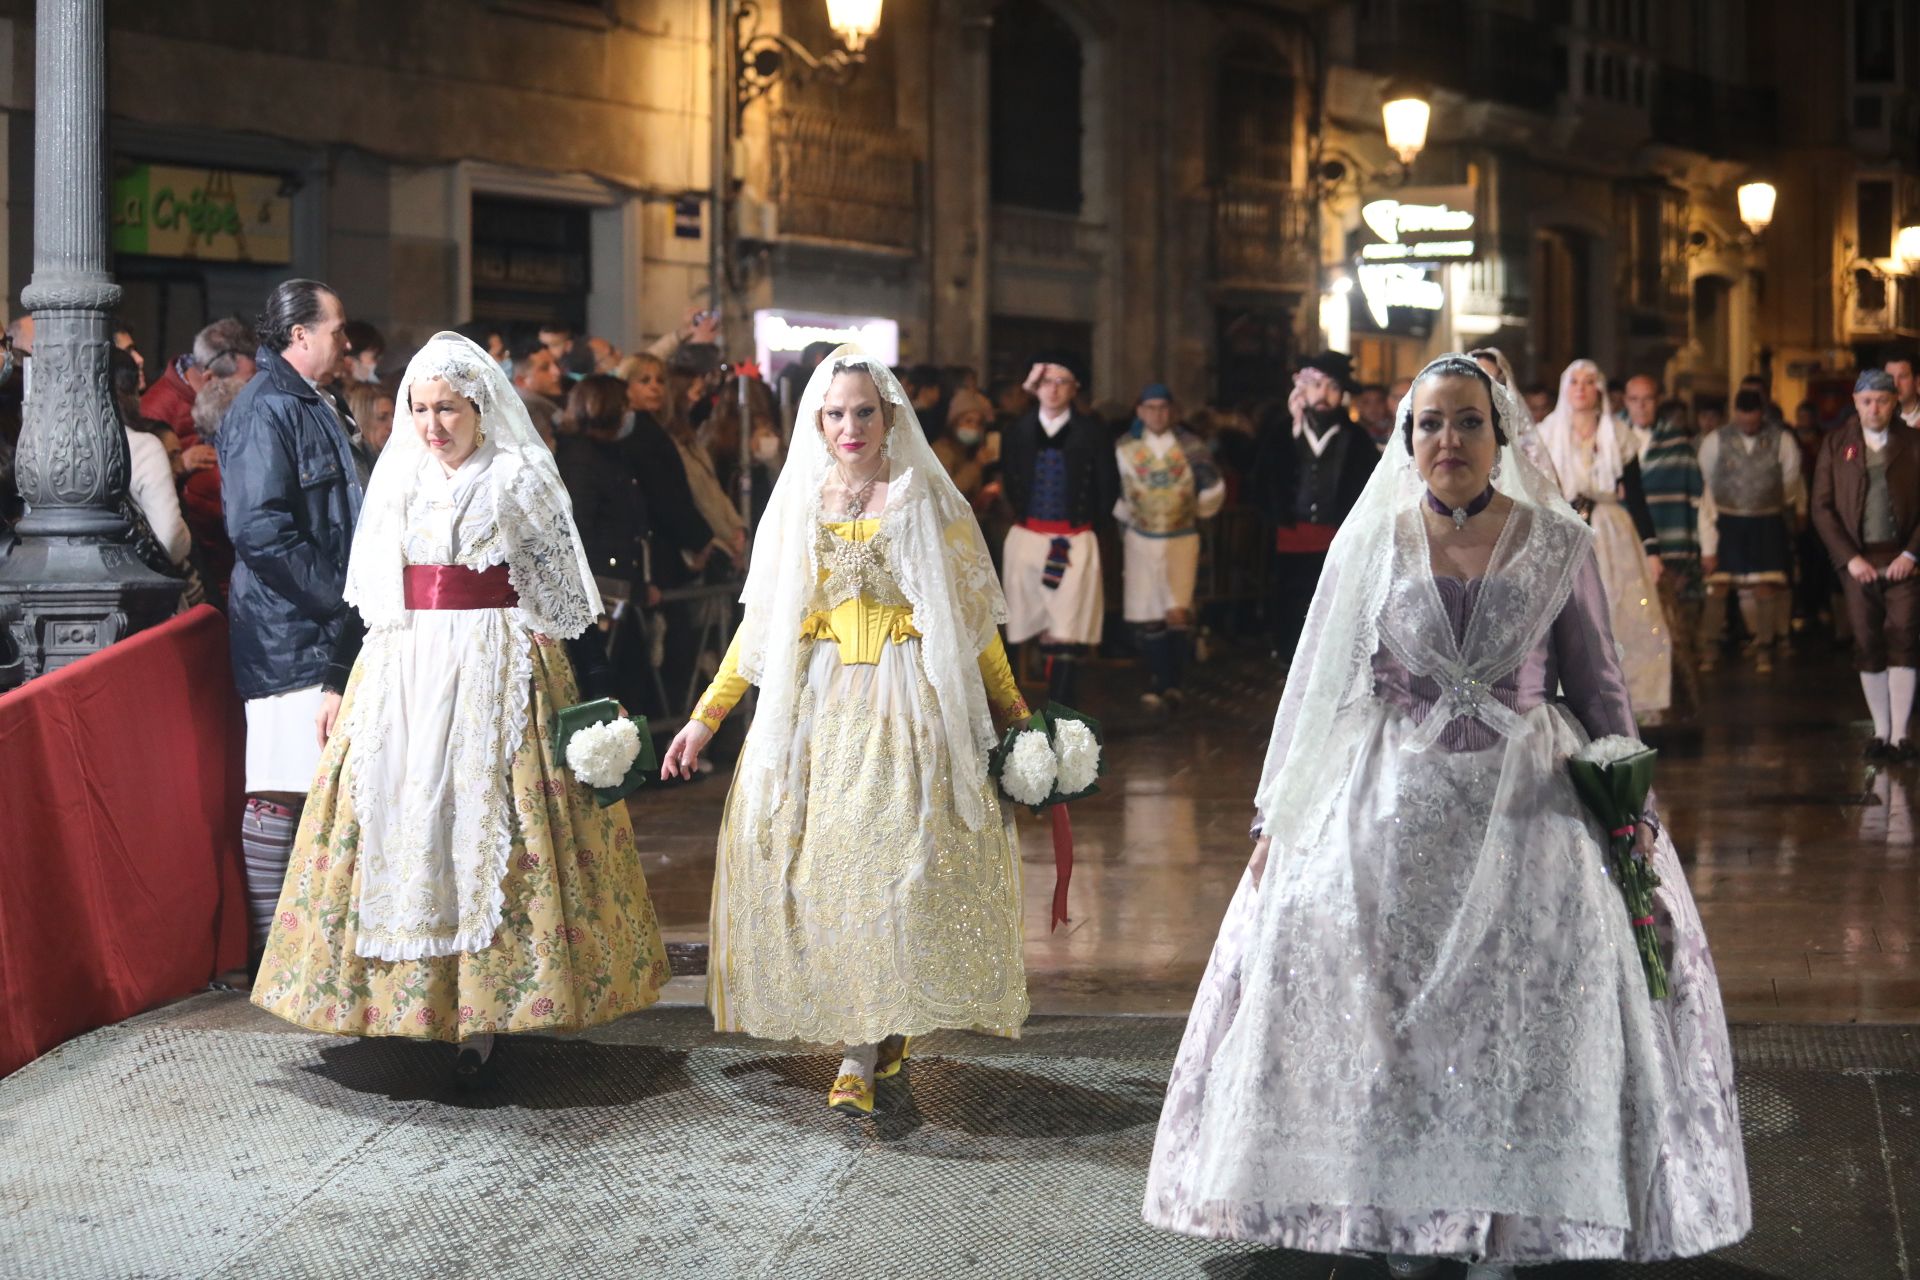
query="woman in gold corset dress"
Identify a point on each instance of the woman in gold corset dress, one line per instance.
(883, 902)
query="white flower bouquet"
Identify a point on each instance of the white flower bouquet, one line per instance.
(605, 750)
(1053, 758)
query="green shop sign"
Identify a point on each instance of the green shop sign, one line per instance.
(216, 215)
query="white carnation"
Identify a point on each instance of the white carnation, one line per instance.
(601, 754)
(1030, 768)
(1611, 749)
(1079, 754)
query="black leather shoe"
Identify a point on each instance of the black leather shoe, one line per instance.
(1877, 749)
(1902, 752)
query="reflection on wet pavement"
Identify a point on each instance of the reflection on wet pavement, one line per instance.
(1801, 855)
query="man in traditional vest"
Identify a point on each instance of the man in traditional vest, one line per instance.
(1866, 508)
(1057, 473)
(1168, 485)
(1313, 463)
(1751, 470)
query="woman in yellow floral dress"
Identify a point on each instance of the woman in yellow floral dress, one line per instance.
(867, 888)
(450, 878)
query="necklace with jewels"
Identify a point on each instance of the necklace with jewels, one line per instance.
(1460, 515)
(857, 495)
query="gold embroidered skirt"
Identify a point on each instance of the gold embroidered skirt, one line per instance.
(578, 942)
(864, 907)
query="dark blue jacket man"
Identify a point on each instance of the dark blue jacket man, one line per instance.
(291, 497)
(291, 494)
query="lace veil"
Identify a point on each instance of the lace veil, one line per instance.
(538, 541)
(1377, 589)
(934, 550)
(1613, 448)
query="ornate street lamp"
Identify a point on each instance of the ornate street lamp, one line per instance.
(1906, 247)
(854, 21)
(72, 584)
(1756, 205)
(747, 63)
(1405, 112)
(762, 58)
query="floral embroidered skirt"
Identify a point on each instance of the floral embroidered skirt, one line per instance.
(865, 907)
(578, 943)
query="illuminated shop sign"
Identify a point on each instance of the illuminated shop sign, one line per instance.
(218, 215)
(1433, 224)
(1397, 285)
(780, 336)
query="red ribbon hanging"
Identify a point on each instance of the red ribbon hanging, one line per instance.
(1062, 863)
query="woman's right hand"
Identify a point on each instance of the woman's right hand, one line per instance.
(329, 714)
(683, 753)
(1257, 865)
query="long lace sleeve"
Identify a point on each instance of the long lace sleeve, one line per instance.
(1587, 660)
(548, 574)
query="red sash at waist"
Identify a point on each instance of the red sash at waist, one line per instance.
(1304, 538)
(1055, 528)
(454, 586)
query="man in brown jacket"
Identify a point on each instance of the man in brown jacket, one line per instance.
(1866, 507)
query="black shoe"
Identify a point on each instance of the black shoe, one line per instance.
(1903, 752)
(471, 1072)
(1877, 749)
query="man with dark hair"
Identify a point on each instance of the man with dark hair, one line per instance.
(1374, 413)
(1538, 397)
(538, 382)
(365, 346)
(1059, 477)
(1906, 389)
(571, 357)
(1752, 483)
(292, 496)
(1866, 507)
(1314, 461)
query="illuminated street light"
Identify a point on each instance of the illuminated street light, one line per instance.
(1756, 205)
(854, 21)
(1405, 113)
(1906, 247)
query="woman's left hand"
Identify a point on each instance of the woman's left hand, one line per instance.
(1643, 841)
(1656, 568)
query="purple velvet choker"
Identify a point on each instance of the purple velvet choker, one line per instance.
(1461, 515)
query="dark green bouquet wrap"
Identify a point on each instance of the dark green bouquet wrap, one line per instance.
(1615, 791)
(570, 720)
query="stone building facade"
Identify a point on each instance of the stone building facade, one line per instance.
(1174, 187)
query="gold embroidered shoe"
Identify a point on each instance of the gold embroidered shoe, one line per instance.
(894, 1052)
(851, 1096)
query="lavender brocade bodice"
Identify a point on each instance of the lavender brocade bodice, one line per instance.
(1575, 658)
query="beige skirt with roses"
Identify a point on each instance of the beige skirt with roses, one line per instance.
(578, 942)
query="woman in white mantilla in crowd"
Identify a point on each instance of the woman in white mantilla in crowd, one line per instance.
(1597, 463)
(867, 888)
(451, 879)
(1425, 1030)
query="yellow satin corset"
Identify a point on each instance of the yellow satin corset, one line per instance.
(858, 605)
(860, 608)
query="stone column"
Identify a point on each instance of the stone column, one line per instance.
(72, 584)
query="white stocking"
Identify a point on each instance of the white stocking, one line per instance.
(1900, 702)
(1879, 702)
(859, 1061)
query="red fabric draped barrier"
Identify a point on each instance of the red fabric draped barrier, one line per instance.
(121, 783)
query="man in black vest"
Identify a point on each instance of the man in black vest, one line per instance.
(1058, 473)
(1313, 463)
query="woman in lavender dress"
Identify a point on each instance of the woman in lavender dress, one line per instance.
(1424, 1030)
